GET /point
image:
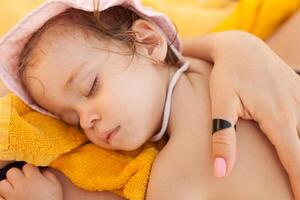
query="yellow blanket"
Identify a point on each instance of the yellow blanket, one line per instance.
(29, 136)
(35, 138)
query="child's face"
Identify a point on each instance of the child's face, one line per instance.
(99, 90)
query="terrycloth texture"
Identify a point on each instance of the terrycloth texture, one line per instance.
(27, 135)
(33, 137)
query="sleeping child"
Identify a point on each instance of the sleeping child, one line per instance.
(113, 69)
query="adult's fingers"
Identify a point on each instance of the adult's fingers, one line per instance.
(225, 107)
(285, 138)
(224, 152)
(291, 161)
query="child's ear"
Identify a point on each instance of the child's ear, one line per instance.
(151, 39)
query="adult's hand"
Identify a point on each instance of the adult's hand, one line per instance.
(250, 81)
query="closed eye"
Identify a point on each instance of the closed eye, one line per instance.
(93, 88)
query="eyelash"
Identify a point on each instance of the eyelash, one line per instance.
(94, 87)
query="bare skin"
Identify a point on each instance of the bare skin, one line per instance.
(71, 192)
(250, 174)
(200, 173)
(196, 122)
(286, 41)
(193, 88)
(249, 136)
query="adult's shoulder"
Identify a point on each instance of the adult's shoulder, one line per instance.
(199, 66)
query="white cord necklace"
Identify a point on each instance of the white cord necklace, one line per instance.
(168, 102)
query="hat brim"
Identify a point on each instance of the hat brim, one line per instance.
(14, 41)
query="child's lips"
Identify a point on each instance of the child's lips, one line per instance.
(109, 135)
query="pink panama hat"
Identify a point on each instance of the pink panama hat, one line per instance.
(13, 42)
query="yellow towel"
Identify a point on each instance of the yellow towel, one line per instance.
(32, 137)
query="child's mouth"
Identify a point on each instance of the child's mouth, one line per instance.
(111, 134)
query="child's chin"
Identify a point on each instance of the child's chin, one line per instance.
(132, 147)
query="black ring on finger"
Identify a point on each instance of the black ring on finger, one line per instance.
(219, 124)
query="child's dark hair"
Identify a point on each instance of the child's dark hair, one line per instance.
(115, 23)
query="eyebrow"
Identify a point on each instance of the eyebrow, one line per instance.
(73, 75)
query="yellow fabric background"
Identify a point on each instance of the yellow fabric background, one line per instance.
(208, 13)
(259, 17)
(11, 11)
(124, 174)
(192, 17)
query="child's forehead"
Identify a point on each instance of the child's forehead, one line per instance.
(61, 32)
(60, 39)
(68, 49)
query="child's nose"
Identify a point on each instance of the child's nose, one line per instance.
(88, 120)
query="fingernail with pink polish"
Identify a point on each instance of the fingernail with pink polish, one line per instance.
(220, 167)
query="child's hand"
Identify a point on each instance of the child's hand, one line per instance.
(30, 184)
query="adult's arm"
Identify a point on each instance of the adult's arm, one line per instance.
(250, 81)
